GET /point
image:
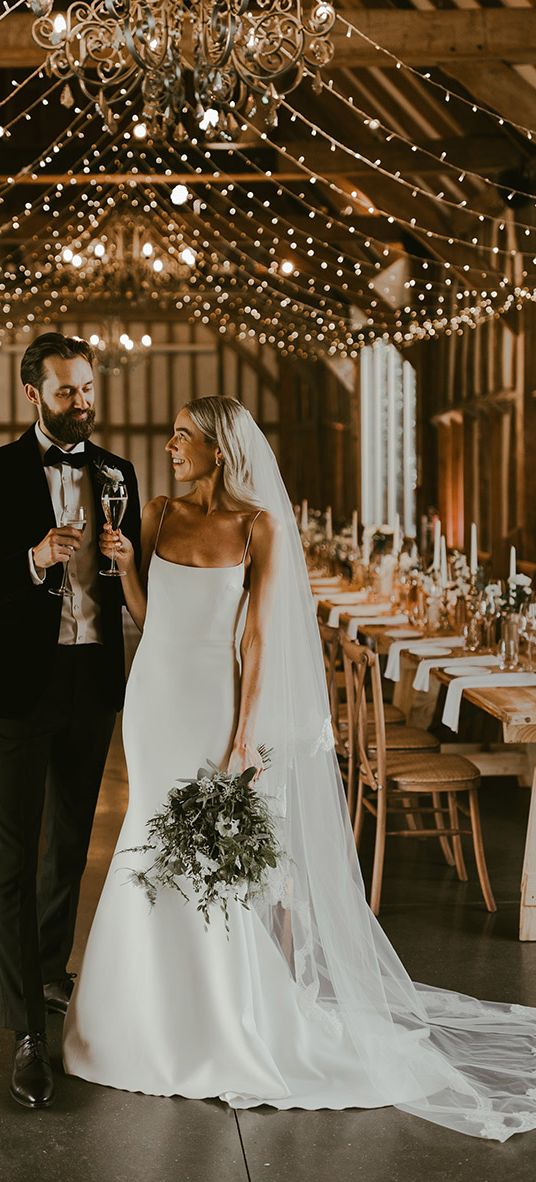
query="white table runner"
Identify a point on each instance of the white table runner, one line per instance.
(393, 661)
(357, 622)
(421, 680)
(451, 712)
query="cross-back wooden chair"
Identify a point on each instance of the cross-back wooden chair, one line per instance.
(331, 648)
(398, 737)
(392, 784)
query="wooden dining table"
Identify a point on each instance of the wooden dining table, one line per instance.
(515, 709)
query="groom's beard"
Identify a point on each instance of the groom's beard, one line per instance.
(65, 426)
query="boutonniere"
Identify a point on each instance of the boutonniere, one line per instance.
(107, 475)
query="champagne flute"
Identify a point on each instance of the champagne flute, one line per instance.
(114, 501)
(529, 630)
(77, 520)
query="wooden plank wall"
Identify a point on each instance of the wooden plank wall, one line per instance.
(304, 410)
(477, 413)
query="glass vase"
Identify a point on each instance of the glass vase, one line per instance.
(509, 642)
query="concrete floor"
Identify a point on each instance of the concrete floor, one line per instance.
(443, 935)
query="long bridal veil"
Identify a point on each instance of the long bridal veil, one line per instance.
(462, 1063)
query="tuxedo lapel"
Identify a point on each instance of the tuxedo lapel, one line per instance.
(36, 495)
(94, 456)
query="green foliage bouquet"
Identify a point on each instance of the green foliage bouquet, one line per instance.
(218, 832)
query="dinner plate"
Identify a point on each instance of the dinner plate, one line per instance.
(468, 670)
(429, 651)
(405, 634)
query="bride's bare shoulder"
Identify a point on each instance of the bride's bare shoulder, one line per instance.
(266, 530)
(154, 508)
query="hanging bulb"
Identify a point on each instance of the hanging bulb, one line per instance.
(317, 84)
(59, 28)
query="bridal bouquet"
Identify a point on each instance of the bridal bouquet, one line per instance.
(215, 830)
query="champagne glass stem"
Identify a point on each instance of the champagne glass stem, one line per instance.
(63, 585)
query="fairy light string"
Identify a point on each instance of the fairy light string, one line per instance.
(375, 123)
(448, 93)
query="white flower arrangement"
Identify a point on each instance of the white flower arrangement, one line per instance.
(519, 587)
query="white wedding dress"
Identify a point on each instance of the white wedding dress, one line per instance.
(304, 1004)
(164, 1005)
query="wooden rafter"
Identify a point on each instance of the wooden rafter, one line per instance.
(420, 38)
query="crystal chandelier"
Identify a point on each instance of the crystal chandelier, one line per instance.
(232, 55)
(115, 348)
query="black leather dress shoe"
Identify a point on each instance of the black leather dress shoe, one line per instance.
(32, 1083)
(58, 994)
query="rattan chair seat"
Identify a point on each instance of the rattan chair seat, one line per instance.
(404, 738)
(451, 773)
(393, 716)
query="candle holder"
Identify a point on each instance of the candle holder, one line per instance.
(444, 622)
(473, 623)
(434, 602)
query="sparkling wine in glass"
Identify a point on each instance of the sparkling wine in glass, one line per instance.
(77, 520)
(114, 501)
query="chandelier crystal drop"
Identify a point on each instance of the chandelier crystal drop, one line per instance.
(233, 55)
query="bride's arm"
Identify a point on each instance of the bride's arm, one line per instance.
(264, 551)
(134, 582)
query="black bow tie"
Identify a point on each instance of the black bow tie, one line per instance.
(55, 455)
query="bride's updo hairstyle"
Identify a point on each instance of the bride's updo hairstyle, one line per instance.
(226, 424)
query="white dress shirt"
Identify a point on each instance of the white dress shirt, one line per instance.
(71, 489)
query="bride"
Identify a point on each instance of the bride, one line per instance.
(303, 1003)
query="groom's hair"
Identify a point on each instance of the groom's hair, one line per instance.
(51, 344)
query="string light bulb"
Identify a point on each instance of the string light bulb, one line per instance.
(179, 195)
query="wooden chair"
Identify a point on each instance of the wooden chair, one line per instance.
(331, 648)
(398, 736)
(396, 784)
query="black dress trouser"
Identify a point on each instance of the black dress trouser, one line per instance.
(55, 753)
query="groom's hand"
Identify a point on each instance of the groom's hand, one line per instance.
(58, 546)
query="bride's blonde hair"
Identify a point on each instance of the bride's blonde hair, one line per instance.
(226, 424)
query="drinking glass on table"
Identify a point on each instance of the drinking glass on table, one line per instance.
(528, 630)
(114, 500)
(77, 520)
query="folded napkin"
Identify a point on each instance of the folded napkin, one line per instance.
(357, 622)
(421, 680)
(451, 713)
(393, 661)
(362, 610)
(349, 597)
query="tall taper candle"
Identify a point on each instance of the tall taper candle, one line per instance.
(396, 535)
(443, 563)
(512, 562)
(354, 530)
(437, 543)
(366, 546)
(473, 564)
(304, 523)
(329, 524)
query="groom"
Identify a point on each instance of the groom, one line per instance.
(62, 682)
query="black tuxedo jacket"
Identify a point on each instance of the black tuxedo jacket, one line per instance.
(29, 616)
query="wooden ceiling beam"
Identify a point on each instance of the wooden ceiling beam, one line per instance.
(502, 88)
(420, 38)
(434, 37)
(481, 153)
